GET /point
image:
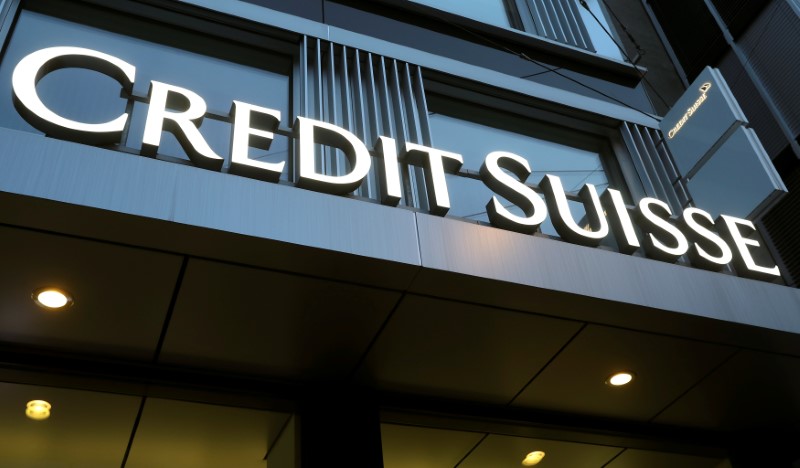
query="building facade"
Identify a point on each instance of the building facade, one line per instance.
(752, 43)
(388, 233)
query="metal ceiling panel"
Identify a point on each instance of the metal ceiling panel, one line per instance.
(753, 389)
(458, 350)
(239, 318)
(664, 368)
(121, 294)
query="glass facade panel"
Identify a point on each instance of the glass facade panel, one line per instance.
(487, 11)
(454, 130)
(565, 21)
(470, 197)
(474, 141)
(602, 42)
(89, 96)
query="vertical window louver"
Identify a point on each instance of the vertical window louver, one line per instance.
(370, 96)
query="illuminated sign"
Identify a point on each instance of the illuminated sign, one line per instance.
(708, 243)
(690, 111)
(697, 123)
(711, 145)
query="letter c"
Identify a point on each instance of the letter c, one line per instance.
(37, 65)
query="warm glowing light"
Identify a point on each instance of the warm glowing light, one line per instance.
(691, 110)
(51, 298)
(620, 378)
(533, 458)
(38, 410)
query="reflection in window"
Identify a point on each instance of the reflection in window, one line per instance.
(85, 95)
(565, 21)
(532, 140)
(602, 42)
(487, 11)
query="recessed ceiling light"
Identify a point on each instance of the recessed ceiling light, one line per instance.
(52, 298)
(38, 410)
(533, 458)
(619, 379)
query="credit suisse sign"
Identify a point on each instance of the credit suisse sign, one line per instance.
(708, 243)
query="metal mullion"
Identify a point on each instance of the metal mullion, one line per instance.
(409, 104)
(332, 161)
(576, 24)
(379, 121)
(8, 15)
(360, 120)
(422, 105)
(385, 109)
(526, 16)
(582, 32)
(359, 107)
(402, 130)
(304, 95)
(386, 113)
(424, 121)
(376, 128)
(393, 83)
(649, 165)
(665, 157)
(558, 33)
(658, 164)
(566, 26)
(417, 178)
(538, 9)
(637, 159)
(318, 100)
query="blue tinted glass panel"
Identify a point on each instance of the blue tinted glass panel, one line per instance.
(474, 141)
(89, 96)
(602, 42)
(486, 11)
(575, 165)
(469, 197)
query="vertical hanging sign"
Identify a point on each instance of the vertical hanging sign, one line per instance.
(723, 162)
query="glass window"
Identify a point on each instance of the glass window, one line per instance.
(602, 42)
(159, 53)
(565, 21)
(414, 445)
(473, 132)
(487, 11)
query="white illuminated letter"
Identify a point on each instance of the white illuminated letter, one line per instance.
(435, 163)
(244, 117)
(391, 191)
(181, 123)
(697, 232)
(744, 262)
(36, 65)
(310, 132)
(562, 218)
(651, 222)
(620, 221)
(514, 190)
